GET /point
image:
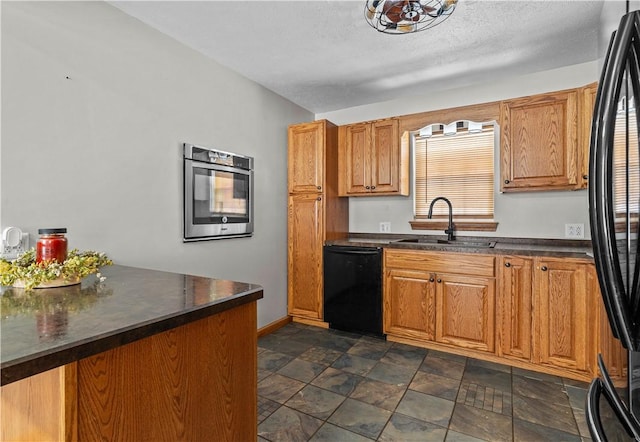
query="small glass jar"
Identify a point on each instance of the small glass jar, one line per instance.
(52, 245)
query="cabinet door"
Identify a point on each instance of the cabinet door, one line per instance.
(385, 157)
(514, 307)
(306, 157)
(356, 167)
(305, 232)
(465, 311)
(409, 304)
(613, 354)
(587, 103)
(563, 321)
(539, 148)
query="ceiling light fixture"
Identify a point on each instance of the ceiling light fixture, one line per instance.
(407, 16)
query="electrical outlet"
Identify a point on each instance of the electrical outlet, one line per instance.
(385, 227)
(575, 230)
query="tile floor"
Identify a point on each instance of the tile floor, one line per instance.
(327, 385)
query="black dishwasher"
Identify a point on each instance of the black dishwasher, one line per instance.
(353, 289)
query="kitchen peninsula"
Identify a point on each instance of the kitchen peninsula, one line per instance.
(144, 355)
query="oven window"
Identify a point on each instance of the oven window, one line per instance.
(218, 194)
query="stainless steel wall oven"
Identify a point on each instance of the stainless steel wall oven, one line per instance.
(218, 194)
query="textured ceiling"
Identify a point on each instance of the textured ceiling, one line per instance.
(323, 56)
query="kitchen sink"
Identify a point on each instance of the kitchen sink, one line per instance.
(452, 243)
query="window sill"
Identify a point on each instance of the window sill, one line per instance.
(461, 225)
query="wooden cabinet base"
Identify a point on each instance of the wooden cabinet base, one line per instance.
(194, 382)
(565, 373)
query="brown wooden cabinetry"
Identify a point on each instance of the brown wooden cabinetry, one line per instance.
(306, 228)
(565, 314)
(168, 386)
(587, 103)
(372, 159)
(440, 297)
(409, 304)
(544, 313)
(465, 310)
(514, 307)
(539, 148)
(548, 312)
(613, 354)
(315, 214)
(306, 156)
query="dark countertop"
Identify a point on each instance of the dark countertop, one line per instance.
(503, 246)
(47, 328)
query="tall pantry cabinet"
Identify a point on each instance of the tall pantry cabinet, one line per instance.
(316, 214)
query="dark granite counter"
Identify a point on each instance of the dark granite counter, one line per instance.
(47, 328)
(499, 246)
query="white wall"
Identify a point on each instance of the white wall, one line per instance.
(99, 152)
(525, 215)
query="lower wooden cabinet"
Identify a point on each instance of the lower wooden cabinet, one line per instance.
(514, 307)
(565, 315)
(409, 304)
(427, 297)
(465, 311)
(543, 314)
(613, 354)
(306, 230)
(195, 382)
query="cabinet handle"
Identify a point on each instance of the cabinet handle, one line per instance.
(367, 187)
(507, 181)
(319, 187)
(319, 198)
(439, 280)
(507, 264)
(543, 268)
(585, 177)
(373, 187)
(431, 279)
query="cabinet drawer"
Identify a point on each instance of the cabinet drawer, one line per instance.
(465, 263)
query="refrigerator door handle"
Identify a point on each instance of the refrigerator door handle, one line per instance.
(592, 411)
(618, 301)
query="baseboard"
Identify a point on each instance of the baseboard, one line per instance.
(313, 322)
(270, 328)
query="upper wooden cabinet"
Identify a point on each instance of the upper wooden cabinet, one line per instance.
(306, 157)
(587, 103)
(539, 148)
(372, 159)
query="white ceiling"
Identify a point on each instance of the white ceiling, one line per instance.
(323, 56)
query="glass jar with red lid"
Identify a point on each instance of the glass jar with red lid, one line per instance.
(52, 245)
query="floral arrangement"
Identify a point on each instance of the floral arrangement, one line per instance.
(26, 270)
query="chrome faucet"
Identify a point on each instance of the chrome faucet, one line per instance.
(449, 230)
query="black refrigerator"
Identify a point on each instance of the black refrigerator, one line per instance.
(614, 194)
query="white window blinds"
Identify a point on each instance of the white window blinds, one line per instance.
(459, 168)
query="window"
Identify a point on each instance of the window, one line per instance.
(459, 167)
